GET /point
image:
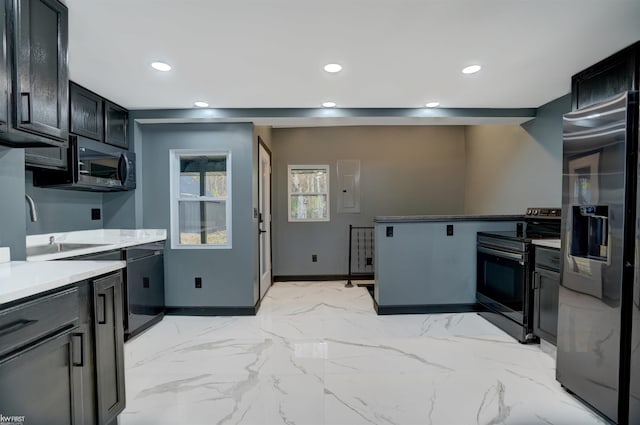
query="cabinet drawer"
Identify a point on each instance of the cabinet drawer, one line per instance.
(548, 258)
(24, 323)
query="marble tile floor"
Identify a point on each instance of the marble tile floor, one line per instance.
(317, 353)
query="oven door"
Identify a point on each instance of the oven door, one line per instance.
(501, 282)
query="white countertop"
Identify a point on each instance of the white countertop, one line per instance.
(549, 243)
(108, 238)
(20, 279)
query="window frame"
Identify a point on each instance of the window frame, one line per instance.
(327, 168)
(174, 196)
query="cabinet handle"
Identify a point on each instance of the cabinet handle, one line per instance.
(102, 310)
(15, 326)
(535, 280)
(76, 337)
(25, 108)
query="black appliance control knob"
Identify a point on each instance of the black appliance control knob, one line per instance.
(529, 211)
(535, 212)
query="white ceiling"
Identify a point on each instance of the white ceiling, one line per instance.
(395, 53)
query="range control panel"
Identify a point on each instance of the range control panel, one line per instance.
(544, 212)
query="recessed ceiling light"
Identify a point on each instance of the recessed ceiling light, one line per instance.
(471, 69)
(329, 104)
(432, 104)
(161, 66)
(200, 104)
(333, 67)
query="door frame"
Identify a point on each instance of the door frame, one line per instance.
(266, 148)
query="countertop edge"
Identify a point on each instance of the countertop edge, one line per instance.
(94, 250)
(57, 281)
(445, 218)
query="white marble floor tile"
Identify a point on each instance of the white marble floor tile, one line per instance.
(317, 353)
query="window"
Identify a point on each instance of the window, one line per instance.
(200, 199)
(308, 193)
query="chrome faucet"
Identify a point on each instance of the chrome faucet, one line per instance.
(32, 208)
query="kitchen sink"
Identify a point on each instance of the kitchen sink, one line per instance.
(58, 247)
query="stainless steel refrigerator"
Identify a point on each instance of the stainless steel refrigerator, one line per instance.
(598, 301)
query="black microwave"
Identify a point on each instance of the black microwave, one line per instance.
(93, 166)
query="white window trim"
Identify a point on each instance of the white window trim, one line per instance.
(174, 191)
(328, 193)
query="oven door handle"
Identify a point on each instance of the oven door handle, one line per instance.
(503, 254)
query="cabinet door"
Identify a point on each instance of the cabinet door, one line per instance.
(4, 76)
(44, 383)
(86, 117)
(109, 341)
(546, 285)
(54, 158)
(116, 120)
(41, 86)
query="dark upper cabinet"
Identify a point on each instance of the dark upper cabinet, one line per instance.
(85, 113)
(109, 340)
(4, 77)
(116, 120)
(53, 158)
(617, 73)
(39, 113)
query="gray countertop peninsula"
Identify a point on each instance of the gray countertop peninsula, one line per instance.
(441, 218)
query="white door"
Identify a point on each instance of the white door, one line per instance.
(264, 201)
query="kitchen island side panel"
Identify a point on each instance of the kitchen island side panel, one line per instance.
(421, 265)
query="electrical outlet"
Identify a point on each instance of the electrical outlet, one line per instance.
(449, 229)
(369, 261)
(95, 213)
(389, 231)
(198, 282)
(314, 258)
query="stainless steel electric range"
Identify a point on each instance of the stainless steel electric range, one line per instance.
(504, 279)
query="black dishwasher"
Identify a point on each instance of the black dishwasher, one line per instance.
(145, 287)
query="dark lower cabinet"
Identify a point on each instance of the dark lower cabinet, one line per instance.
(43, 383)
(62, 355)
(109, 339)
(546, 285)
(42, 369)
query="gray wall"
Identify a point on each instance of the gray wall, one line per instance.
(513, 167)
(13, 206)
(229, 276)
(404, 171)
(62, 210)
